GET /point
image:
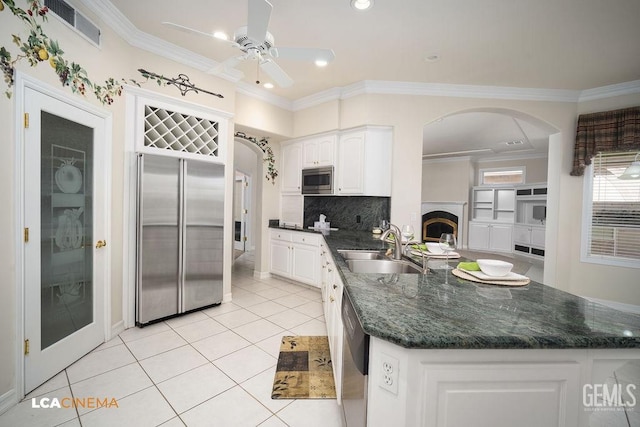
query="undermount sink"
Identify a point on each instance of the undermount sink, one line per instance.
(382, 266)
(361, 254)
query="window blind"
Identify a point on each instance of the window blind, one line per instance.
(615, 210)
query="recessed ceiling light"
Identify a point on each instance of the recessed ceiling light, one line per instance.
(221, 35)
(432, 58)
(268, 85)
(321, 63)
(362, 4)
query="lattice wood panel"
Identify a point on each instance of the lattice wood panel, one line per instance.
(170, 130)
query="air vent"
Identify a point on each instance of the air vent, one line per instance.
(514, 143)
(75, 19)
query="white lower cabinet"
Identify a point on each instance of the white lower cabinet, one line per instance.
(332, 288)
(489, 236)
(529, 239)
(496, 388)
(295, 255)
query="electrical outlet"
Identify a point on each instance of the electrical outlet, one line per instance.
(389, 367)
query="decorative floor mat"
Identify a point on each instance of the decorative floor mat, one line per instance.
(304, 369)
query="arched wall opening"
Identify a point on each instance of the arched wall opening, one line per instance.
(460, 143)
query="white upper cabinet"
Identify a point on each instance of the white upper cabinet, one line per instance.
(364, 162)
(319, 151)
(291, 168)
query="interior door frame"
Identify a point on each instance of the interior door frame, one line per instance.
(246, 206)
(23, 82)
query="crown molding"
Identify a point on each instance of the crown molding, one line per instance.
(253, 91)
(610, 91)
(119, 23)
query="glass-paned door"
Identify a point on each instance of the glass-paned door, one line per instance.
(64, 247)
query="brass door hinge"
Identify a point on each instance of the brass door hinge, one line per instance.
(26, 234)
(26, 120)
(26, 347)
(244, 238)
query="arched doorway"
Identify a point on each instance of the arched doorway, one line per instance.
(247, 164)
(459, 146)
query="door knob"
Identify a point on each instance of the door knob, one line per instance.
(101, 244)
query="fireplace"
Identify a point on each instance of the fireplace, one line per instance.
(443, 217)
(435, 223)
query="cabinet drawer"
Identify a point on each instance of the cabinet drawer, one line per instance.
(285, 236)
(306, 239)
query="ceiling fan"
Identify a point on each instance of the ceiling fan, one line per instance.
(257, 44)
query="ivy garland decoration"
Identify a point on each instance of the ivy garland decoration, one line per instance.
(38, 47)
(263, 144)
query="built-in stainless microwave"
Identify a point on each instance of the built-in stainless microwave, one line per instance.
(317, 180)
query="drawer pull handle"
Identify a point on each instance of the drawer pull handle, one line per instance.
(335, 286)
(332, 299)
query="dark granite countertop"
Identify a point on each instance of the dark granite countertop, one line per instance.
(416, 311)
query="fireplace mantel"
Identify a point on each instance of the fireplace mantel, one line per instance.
(455, 208)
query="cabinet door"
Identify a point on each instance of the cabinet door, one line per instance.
(351, 164)
(458, 395)
(304, 265)
(291, 169)
(280, 257)
(310, 153)
(501, 238)
(522, 234)
(537, 237)
(326, 150)
(478, 235)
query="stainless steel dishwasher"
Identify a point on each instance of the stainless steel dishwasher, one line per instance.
(355, 359)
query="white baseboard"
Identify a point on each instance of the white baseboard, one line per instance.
(8, 401)
(117, 329)
(629, 308)
(261, 274)
(226, 298)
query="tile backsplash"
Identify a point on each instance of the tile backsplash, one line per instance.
(344, 211)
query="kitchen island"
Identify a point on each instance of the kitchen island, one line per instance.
(469, 354)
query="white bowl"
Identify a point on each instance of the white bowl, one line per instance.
(494, 267)
(434, 248)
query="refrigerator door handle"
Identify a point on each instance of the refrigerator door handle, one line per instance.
(182, 232)
(139, 198)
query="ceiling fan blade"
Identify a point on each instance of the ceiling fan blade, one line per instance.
(303, 54)
(197, 32)
(274, 71)
(258, 20)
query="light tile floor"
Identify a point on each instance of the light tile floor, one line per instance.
(210, 368)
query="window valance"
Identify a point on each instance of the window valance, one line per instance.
(605, 132)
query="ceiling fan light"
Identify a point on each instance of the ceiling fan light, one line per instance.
(321, 63)
(268, 85)
(362, 4)
(221, 35)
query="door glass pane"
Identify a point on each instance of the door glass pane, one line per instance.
(67, 228)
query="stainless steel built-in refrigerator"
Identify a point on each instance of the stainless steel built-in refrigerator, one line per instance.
(179, 236)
